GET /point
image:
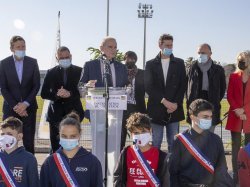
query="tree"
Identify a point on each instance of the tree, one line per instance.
(96, 53)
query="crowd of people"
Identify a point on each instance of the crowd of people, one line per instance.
(195, 157)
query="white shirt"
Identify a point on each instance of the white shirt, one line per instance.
(165, 65)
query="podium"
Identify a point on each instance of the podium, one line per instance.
(95, 102)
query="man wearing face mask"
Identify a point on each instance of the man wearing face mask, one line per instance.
(165, 83)
(198, 157)
(19, 83)
(206, 80)
(136, 98)
(61, 88)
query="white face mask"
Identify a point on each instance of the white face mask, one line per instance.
(7, 142)
(142, 139)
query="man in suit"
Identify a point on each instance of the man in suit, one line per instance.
(92, 74)
(136, 98)
(19, 83)
(61, 88)
(165, 83)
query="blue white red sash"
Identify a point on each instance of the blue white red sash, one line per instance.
(65, 171)
(6, 173)
(145, 167)
(196, 153)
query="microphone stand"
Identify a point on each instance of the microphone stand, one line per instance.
(106, 96)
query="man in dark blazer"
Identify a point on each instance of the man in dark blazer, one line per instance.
(92, 74)
(61, 88)
(19, 83)
(136, 98)
(165, 83)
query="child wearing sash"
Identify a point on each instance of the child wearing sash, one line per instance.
(18, 168)
(198, 158)
(71, 165)
(244, 166)
(141, 164)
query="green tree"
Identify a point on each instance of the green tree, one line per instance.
(96, 53)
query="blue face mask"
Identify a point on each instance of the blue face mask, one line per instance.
(205, 124)
(202, 58)
(68, 144)
(65, 63)
(167, 51)
(19, 54)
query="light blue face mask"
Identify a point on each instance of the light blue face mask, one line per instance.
(205, 124)
(167, 51)
(65, 63)
(202, 58)
(19, 53)
(68, 144)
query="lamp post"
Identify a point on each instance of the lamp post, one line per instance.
(145, 11)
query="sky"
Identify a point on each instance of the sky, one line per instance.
(224, 24)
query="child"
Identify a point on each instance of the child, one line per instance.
(71, 165)
(141, 164)
(244, 166)
(18, 164)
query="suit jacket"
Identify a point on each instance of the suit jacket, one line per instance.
(59, 107)
(173, 90)
(92, 71)
(238, 99)
(12, 90)
(140, 91)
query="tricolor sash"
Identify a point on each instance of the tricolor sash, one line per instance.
(6, 174)
(145, 167)
(65, 171)
(196, 152)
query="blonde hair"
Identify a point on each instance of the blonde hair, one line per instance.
(108, 38)
(244, 56)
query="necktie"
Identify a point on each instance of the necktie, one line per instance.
(109, 75)
(64, 77)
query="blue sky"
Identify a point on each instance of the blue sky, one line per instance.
(224, 24)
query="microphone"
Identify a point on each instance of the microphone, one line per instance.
(104, 59)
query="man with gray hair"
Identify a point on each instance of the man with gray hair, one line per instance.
(206, 80)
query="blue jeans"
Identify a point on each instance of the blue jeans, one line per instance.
(157, 134)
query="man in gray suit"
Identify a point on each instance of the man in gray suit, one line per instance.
(19, 83)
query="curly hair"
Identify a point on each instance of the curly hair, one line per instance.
(139, 121)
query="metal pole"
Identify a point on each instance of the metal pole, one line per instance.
(144, 45)
(107, 33)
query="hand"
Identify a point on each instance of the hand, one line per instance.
(239, 111)
(20, 108)
(91, 83)
(171, 107)
(63, 93)
(243, 117)
(23, 114)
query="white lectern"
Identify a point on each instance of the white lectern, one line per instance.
(95, 102)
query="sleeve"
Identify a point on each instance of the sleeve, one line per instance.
(35, 84)
(96, 174)
(150, 88)
(223, 83)
(126, 82)
(174, 164)
(221, 176)
(32, 173)
(4, 87)
(118, 172)
(45, 175)
(230, 93)
(164, 170)
(85, 74)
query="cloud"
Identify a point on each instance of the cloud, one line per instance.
(19, 24)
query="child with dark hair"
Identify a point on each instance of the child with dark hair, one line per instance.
(71, 165)
(18, 167)
(141, 164)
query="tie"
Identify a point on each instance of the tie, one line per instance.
(109, 76)
(64, 77)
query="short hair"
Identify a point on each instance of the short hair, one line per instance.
(165, 37)
(130, 54)
(71, 119)
(13, 123)
(139, 121)
(15, 39)
(198, 106)
(207, 45)
(244, 56)
(107, 39)
(62, 48)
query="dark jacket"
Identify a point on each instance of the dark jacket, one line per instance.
(85, 167)
(24, 168)
(12, 90)
(120, 173)
(217, 87)
(140, 91)
(92, 71)
(173, 91)
(59, 107)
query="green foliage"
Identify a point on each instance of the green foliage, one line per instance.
(96, 53)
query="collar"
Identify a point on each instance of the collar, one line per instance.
(21, 61)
